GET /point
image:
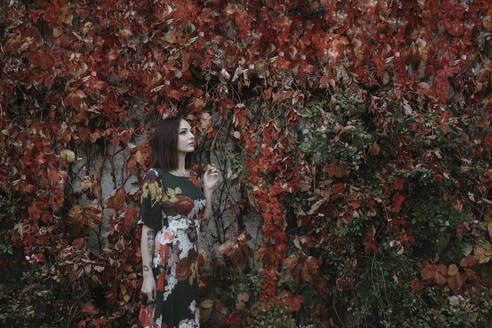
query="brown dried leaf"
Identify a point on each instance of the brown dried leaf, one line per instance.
(225, 248)
(316, 206)
(244, 237)
(452, 270)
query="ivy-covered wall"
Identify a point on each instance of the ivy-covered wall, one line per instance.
(353, 141)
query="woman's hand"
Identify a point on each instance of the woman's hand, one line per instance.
(210, 177)
(148, 288)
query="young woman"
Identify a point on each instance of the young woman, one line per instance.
(172, 208)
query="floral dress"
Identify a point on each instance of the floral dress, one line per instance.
(173, 206)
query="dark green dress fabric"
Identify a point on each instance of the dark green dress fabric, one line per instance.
(173, 207)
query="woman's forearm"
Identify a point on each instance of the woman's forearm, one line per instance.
(147, 248)
(207, 214)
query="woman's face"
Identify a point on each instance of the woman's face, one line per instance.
(186, 139)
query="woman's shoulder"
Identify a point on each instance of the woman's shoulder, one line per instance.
(154, 171)
(151, 175)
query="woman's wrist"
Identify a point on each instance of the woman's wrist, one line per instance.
(207, 192)
(147, 272)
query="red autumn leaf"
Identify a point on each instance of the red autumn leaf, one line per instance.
(457, 206)
(470, 274)
(427, 271)
(246, 250)
(306, 276)
(415, 285)
(468, 261)
(290, 262)
(250, 142)
(454, 27)
(440, 274)
(74, 99)
(312, 264)
(116, 199)
(53, 175)
(35, 210)
(90, 309)
(324, 81)
(295, 303)
(111, 295)
(439, 278)
(307, 240)
(78, 243)
(399, 183)
(397, 201)
(336, 170)
(42, 60)
(281, 249)
(455, 282)
(322, 285)
(237, 257)
(369, 242)
(224, 105)
(338, 188)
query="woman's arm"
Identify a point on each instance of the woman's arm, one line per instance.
(210, 179)
(207, 214)
(147, 249)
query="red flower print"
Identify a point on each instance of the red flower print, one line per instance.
(183, 269)
(161, 281)
(145, 315)
(193, 180)
(184, 204)
(169, 208)
(163, 254)
(167, 236)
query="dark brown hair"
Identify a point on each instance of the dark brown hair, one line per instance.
(164, 145)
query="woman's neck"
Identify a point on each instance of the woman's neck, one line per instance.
(181, 169)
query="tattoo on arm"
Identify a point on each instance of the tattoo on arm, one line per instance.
(150, 242)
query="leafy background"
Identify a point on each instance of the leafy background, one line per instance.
(353, 140)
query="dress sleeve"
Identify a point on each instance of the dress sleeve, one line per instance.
(150, 201)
